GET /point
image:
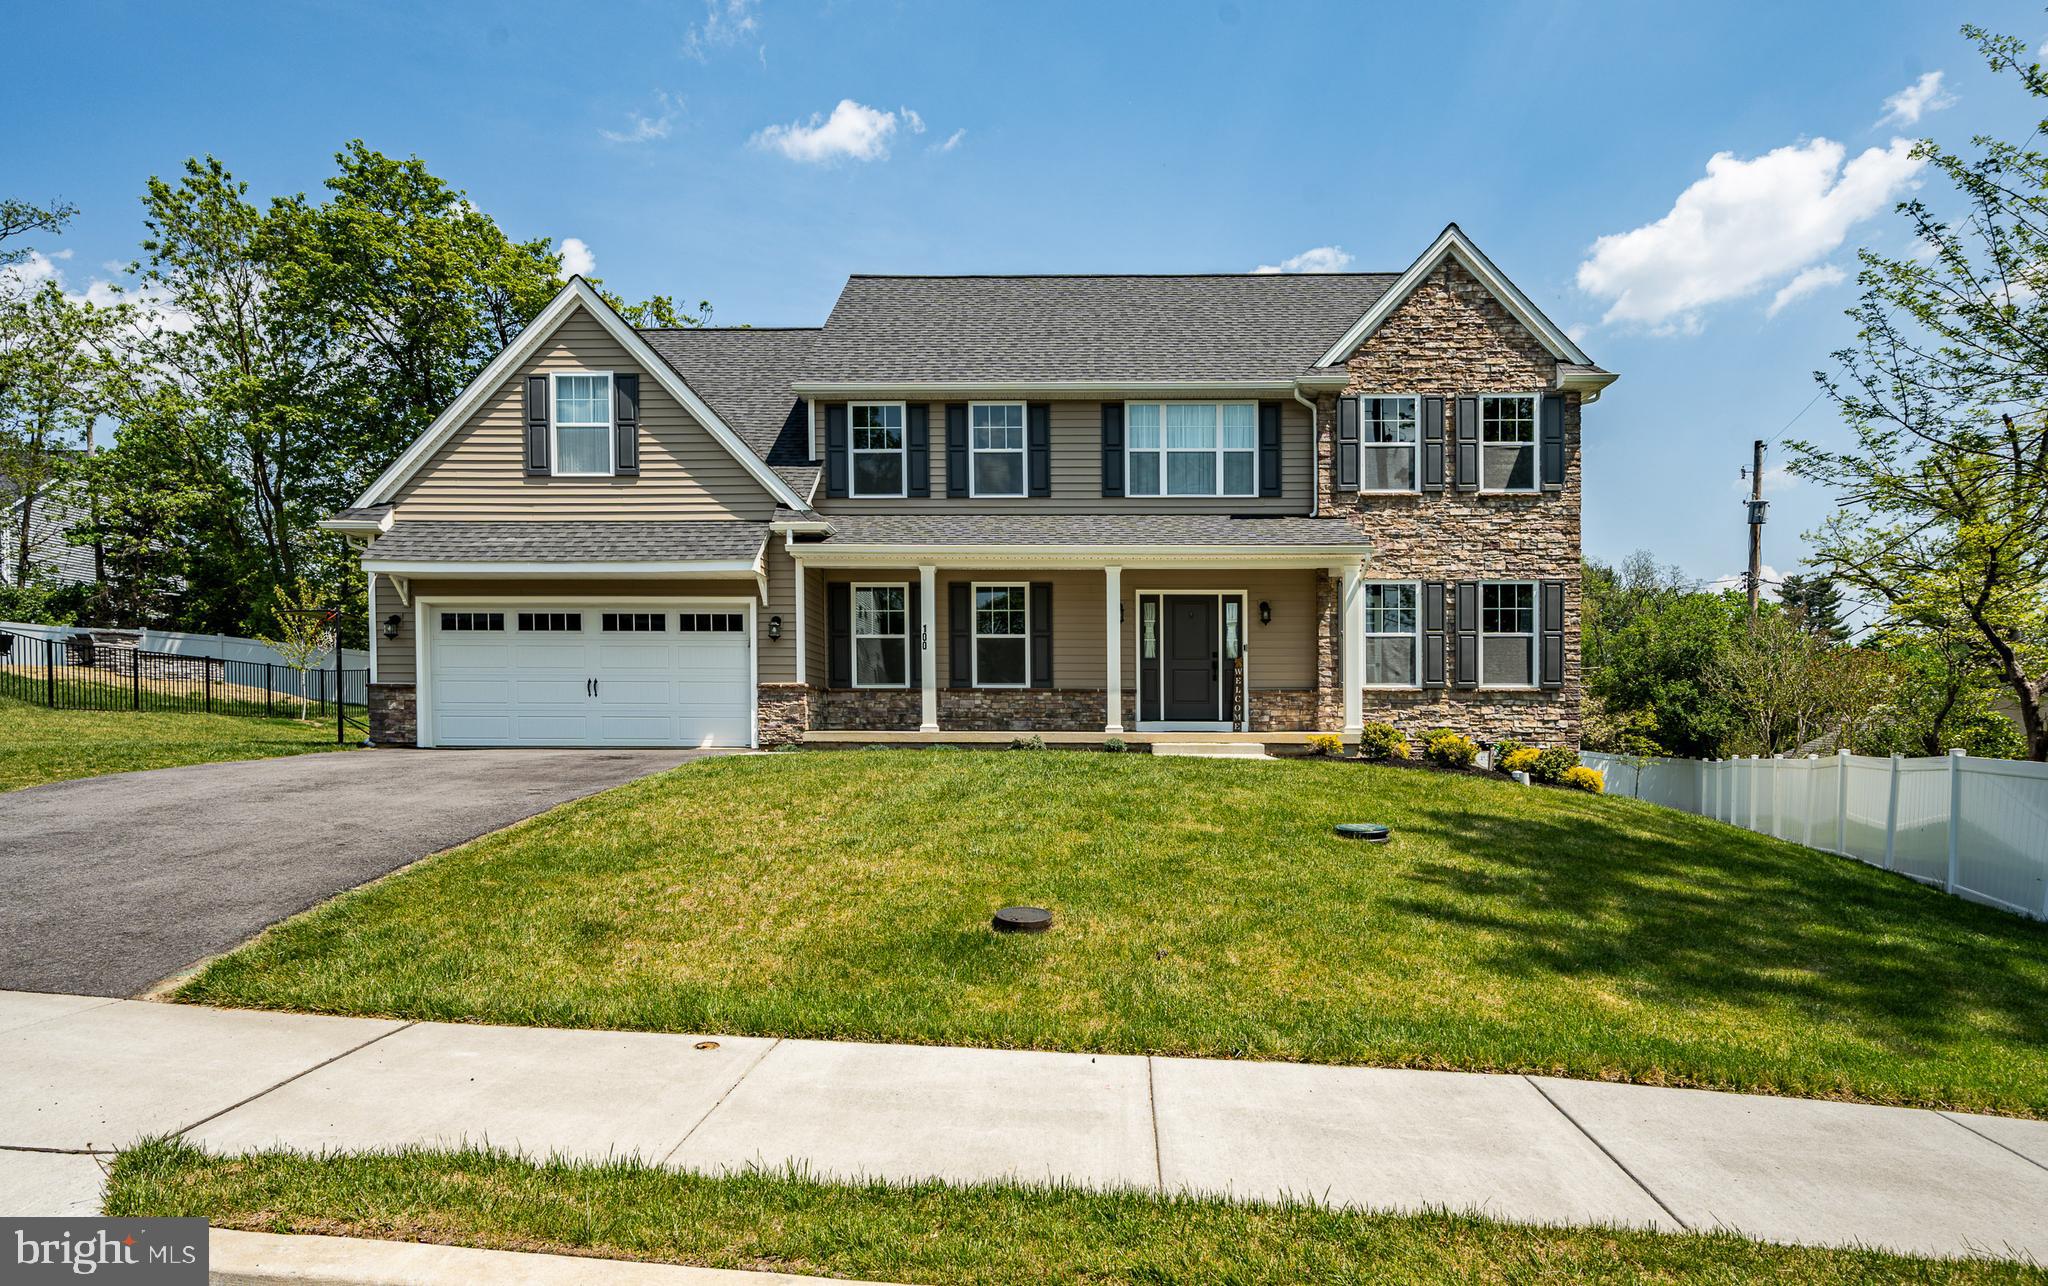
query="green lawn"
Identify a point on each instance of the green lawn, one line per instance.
(1204, 908)
(932, 1233)
(39, 745)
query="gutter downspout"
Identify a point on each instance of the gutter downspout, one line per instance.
(1315, 456)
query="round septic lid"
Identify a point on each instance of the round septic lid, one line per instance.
(1371, 832)
(1023, 919)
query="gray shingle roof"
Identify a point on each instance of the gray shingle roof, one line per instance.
(1136, 328)
(567, 542)
(745, 374)
(1160, 530)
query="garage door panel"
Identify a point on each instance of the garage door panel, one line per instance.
(458, 689)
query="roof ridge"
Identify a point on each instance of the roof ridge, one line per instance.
(691, 330)
(1095, 276)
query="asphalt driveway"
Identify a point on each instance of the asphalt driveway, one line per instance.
(111, 884)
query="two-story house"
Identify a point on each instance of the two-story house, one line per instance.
(1269, 504)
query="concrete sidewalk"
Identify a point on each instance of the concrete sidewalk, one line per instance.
(81, 1075)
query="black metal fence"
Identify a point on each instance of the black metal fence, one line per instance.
(84, 673)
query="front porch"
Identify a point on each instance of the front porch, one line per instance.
(1273, 741)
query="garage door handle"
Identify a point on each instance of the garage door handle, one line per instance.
(590, 687)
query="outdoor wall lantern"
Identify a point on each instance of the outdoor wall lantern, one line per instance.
(391, 624)
(1265, 613)
(774, 627)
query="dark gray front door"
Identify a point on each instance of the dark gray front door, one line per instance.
(1191, 662)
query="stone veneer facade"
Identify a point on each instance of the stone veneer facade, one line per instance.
(394, 714)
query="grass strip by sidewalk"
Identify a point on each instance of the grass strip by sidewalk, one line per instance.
(934, 1233)
(39, 745)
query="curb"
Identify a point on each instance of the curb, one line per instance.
(271, 1259)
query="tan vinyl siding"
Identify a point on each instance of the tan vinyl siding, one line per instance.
(1282, 655)
(1076, 442)
(479, 473)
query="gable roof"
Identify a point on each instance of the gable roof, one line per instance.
(1453, 242)
(577, 293)
(1131, 329)
(748, 375)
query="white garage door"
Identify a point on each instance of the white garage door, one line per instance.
(576, 675)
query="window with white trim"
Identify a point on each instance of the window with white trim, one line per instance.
(582, 418)
(881, 636)
(551, 622)
(1191, 448)
(1507, 634)
(1507, 442)
(995, 446)
(1002, 636)
(461, 622)
(875, 446)
(1393, 638)
(1389, 435)
(635, 622)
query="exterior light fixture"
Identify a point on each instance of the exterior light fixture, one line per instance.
(774, 627)
(391, 624)
(1265, 613)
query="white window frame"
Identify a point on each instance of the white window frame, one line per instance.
(1219, 493)
(1022, 452)
(975, 636)
(556, 424)
(855, 636)
(1535, 444)
(1535, 636)
(902, 453)
(1414, 447)
(1414, 587)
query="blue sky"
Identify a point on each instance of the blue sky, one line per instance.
(700, 150)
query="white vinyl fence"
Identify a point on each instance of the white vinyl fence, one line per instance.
(1977, 828)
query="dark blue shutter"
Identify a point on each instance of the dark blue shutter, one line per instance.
(1465, 669)
(1038, 443)
(626, 424)
(1269, 448)
(1432, 444)
(1433, 634)
(1553, 442)
(1112, 448)
(1347, 444)
(917, 436)
(1467, 462)
(956, 448)
(960, 635)
(835, 450)
(1041, 634)
(1550, 621)
(839, 630)
(537, 425)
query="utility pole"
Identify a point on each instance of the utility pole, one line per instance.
(1756, 506)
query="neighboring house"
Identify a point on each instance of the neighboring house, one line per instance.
(1266, 503)
(53, 559)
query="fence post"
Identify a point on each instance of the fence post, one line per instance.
(1842, 802)
(1955, 815)
(135, 672)
(1777, 813)
(1754, 772)
(209, 686)
(50, 671)
(1812, 762)
(1891, 817)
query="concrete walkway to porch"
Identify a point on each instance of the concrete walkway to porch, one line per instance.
(80, 1076)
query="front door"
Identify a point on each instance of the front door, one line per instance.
(1191, 674)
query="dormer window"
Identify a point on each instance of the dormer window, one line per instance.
(582, 424)
(877, 448)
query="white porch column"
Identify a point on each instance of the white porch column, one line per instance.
(1351, 664)
(928, 669)
(1112, 590)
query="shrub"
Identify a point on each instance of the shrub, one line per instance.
(1114, 745)
(1325, 743)
(1520, 760)
(1586, 779)
(1029, 741)
(1502, 749)
(1550, 766)
(1448, 749)
(1382, 741)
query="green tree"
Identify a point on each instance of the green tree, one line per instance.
(1815, 603)
(19, 218)
(1651, 643)
(1944, 494)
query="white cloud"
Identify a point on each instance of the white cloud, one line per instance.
(1740, 581)
(1577, 332)
(952, 141)
(647, 128)
(1777, 477)
(1319, 259)
(913, 120)
(853, 130)
(1917, 99)
(152, 311)
(1809, 281)
(726, 23)
(577, 261)
(1747, 224)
